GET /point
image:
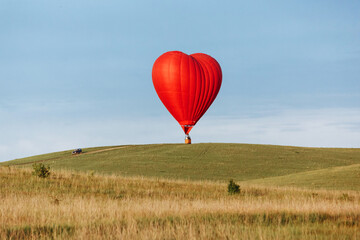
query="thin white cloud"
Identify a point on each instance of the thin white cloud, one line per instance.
(311, 128)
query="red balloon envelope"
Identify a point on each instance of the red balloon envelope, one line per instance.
(187, 85)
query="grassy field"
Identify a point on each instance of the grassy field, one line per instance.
(70, 205)
(321, 168)
(177, 191)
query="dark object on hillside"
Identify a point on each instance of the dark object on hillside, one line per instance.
(41, 170)
(233, 188)
(77, 151)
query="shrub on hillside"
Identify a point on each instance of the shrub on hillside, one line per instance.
(233, 188)
(41, 171)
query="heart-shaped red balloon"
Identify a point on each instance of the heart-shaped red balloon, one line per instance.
(187, 85)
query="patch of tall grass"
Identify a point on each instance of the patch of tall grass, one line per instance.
(69, 205)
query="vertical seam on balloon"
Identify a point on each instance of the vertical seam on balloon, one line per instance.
(189, 99)
(203, 92)
(210, 90)
(170, 76)
(189, 90)
(193, 108)
(200, 81)
(206, 94)
(181, 90)
(205, 89)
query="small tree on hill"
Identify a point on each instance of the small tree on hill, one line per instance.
(233, 188)
(41, 171)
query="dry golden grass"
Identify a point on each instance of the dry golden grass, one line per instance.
(72, 205)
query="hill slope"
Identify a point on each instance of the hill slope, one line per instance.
(262, 164)
(335, 178)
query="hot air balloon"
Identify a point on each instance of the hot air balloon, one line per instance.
(187, 85)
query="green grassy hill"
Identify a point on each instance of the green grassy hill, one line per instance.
(335, 178)
(329, 168)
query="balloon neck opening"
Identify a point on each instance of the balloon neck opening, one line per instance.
(187, 139)
(187, 128)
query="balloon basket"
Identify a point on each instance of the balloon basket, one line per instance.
(187, 139)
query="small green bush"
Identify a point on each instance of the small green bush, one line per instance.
(233, 188)
(41, 171)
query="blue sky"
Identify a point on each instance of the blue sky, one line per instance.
(78, 73)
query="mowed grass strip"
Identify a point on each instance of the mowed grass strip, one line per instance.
(205, 161)
(70, 205)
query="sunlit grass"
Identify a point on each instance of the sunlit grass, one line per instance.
(90, 206)
(337, 168)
